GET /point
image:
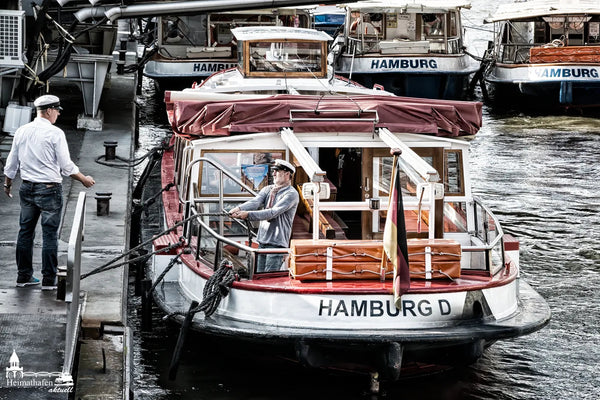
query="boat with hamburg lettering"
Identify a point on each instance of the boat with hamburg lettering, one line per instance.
(410, 48)
(545, 53)
(393, 268)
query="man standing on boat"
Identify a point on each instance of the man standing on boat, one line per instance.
(279, 202)
(40, 154)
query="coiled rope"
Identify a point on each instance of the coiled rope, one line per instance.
(216, 287)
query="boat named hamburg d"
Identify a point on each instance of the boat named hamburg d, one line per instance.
(411, 48)
(336, 301)
(546, 53)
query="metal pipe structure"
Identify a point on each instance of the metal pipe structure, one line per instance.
(90, 12)
(192, 7)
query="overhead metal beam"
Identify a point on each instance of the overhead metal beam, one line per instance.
(192, 7)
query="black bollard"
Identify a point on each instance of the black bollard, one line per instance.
(110, 149)
(181, 341)
(103, 203)
(146, 305)
(61, 287)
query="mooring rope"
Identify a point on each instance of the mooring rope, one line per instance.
(187, 250)
(105, 267)
(127, 163)
(108, 266)
(216, 287)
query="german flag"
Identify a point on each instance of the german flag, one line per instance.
(394, 235)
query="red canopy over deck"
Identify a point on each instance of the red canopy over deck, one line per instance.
(324, 114)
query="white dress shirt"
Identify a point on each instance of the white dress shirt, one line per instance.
(40, 153)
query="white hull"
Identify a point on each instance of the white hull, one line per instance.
(198, 68)
(353, 317)
(450, 65)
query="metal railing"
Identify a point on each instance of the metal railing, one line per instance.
(72, 289)
(189, 232)
(489, 232)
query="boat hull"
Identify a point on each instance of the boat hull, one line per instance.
(365, 330)
(561, 85)
(179, 74)
(421, 76)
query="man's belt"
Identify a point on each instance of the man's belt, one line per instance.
(48, 184)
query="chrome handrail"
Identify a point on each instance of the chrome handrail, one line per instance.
(223, 239)
(183, 193)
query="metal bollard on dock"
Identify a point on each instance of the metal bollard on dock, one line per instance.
(103, 203)
(110, 149)
(61, 287)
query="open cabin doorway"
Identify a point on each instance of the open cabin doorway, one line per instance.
(343, 168)
(363, 174)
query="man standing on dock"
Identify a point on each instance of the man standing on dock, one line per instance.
(40, 154)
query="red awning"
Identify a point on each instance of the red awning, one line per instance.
(325, 114)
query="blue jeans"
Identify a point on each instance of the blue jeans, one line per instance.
(38, 199)
(269, 262)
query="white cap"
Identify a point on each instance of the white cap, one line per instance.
(284, 165)
(47, 101)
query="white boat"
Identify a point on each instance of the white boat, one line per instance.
(192, 47)
(411, 48)
(546, 53)
(333, 303)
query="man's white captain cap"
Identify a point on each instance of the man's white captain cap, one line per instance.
(47, 101)
(284, 165)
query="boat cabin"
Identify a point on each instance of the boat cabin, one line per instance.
(281, 52)
(339, 155)
(404, 28)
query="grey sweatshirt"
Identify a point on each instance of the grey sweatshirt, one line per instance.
(276, 222)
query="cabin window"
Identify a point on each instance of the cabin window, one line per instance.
(453, 173)
(594, 32)
(184, 30)
(251, 167)
(416, 222)
(285, 56)
(433, 25)
(539, 36)
(455, 217)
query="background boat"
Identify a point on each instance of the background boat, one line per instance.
(545, 54)
(189, 48)
(410, 48)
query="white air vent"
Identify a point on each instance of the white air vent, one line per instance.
(11, 38)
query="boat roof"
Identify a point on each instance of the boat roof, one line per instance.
(539, 8)
(279, 32)
(306, 113)
(424, 6)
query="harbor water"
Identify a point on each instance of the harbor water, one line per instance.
(539, 174)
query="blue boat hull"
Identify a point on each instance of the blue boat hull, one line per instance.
(433, 86)
(562, 94)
